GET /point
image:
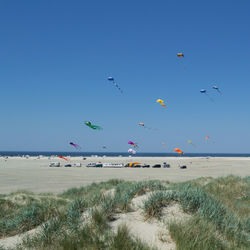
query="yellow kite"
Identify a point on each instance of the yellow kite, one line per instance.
(161, 102)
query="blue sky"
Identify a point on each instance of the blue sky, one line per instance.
(55, 57)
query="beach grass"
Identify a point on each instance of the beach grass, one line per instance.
(209, 211)
(80, 218)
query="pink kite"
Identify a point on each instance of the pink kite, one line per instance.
(75, 145)
(133, 144)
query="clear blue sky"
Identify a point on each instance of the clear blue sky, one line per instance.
(55, 57)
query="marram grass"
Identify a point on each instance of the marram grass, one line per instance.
(219, 210)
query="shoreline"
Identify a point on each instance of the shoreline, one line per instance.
(23, 154)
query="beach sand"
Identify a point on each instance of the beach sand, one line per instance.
(35, 175)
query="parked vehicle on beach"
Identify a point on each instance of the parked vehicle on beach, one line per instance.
(113, 165)
(183, 167)
(98, 165)
(165, 165)
(132, 164)
(68, 165)
(54, 164)
(156, 166)
(77, 165)
(146, 166)
(91, 165)
(137, 166)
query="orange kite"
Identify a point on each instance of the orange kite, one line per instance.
(177, 150)
(64, 158)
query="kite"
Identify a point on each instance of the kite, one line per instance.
(143, 125)
(191, 143)
(161, 102)
(217, 88)
(104, 147)
(75, 145)
(64, 158)
(180, 152)
(95, 127)
(111, 79)
(133, 144)
(179, 55)
(208, 138)
(132, 151)
(203, 91)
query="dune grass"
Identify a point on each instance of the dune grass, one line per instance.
(16, 218)
(126, 191)
(72, 231)
(203, 201)
(196, 234)
(80, 217)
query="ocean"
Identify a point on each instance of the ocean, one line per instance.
(87, 154)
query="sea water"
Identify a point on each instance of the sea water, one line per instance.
(116, 154)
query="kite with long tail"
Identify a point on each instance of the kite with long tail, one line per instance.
(161, 102)
(135, 145)
(190, 142)
(95, 127)
(217, 88)
(111, 79)
(64, 158)
(76, 146)
(143, 125)
(181, 55)
(179, 151)
(204, 91)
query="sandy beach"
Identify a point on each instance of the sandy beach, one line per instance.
(35, 175)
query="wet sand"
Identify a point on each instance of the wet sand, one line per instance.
(35, 175)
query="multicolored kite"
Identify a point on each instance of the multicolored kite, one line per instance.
(143, 125)
(180, 152)
(133, 144)
(179, 55)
